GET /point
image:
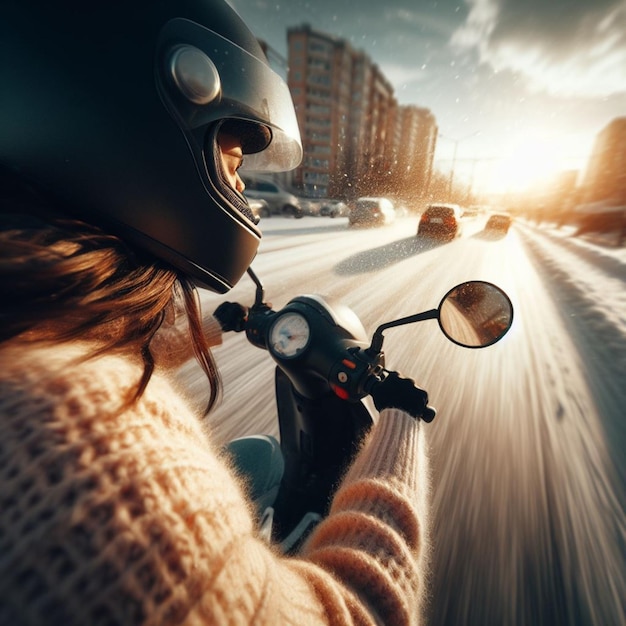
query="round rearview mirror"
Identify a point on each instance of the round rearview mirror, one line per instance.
(475, 314)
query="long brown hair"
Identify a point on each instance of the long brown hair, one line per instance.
(62, 280)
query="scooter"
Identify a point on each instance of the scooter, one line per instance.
(326, 369)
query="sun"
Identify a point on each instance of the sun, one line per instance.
(531, 162)
(534, 159)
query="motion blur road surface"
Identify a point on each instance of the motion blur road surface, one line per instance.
(527, 450)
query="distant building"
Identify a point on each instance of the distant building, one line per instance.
(357, 140)
(605, 178)
(415, 151)
(321, 70)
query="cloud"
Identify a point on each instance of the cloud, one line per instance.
(401, 76)
(565, 48)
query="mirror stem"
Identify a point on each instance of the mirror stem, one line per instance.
(377, 339)
(260, 292)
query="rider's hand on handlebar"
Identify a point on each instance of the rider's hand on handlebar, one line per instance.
(231, 316)
(396, 392)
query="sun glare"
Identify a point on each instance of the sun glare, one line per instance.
(535, 160)
(531, 161)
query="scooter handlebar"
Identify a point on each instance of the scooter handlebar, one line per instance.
(395, 391)
(334, 359)
(231, 316)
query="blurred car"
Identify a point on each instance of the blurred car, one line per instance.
(334, 208)
(441, 221)
(402, 208)
(471, 212)
(280, 201)
(498, 223)
(259, 207)
(310, 206)
(371, 211)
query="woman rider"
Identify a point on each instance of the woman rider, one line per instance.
(122, 125)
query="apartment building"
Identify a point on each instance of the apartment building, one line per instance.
(319, 77)
(357, 140)
(605, 177)
(415, 151)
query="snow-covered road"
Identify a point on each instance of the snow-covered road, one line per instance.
(588, 278)
(527, 450)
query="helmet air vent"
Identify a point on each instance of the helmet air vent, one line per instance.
(195, 74)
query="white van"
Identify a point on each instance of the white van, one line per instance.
(280, 202)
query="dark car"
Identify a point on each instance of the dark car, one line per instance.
(498, 223)
(441, 221)
(371, 212)
(334, 208)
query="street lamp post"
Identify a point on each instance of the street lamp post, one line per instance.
(456, 145)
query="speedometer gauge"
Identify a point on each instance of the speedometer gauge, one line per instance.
(289, 335)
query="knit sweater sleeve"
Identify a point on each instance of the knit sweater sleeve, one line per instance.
(132, 516)
(374, 539)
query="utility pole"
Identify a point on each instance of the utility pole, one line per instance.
(456, 145)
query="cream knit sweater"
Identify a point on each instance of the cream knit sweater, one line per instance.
(135, 518)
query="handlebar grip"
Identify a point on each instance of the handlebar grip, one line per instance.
(231, 316)
(397, 392)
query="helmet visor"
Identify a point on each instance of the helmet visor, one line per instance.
(249, 90)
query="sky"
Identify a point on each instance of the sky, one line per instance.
(519, 88)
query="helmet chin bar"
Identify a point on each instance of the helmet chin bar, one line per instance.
(204, 275)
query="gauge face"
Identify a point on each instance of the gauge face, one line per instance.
(289, 335)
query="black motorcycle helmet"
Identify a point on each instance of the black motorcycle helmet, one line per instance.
(111, 110)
